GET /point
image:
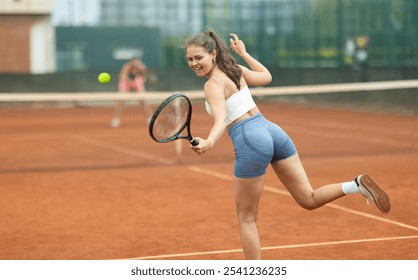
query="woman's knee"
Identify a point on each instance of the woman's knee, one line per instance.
(307, 203)
(308, 206)
(305, 199)
(247, 215)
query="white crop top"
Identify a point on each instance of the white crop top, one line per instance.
(237, 105)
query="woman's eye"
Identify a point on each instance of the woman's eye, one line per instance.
(197, 58)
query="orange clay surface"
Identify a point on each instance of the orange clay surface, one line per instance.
(140, 200)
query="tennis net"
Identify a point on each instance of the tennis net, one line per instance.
(47, 132)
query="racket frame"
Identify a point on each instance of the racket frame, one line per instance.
(178, 135)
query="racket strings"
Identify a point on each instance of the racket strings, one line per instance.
(172, 119)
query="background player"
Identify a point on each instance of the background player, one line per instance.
(132, 78)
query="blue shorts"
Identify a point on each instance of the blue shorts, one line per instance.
(257, 143)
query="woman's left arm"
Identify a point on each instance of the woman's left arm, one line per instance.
(258, 74)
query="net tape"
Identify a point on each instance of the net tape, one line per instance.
(258, 91)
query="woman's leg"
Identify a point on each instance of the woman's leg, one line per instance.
(123, 87)
(292, 174)
(247, 193)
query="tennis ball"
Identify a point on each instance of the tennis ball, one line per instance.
(104, 78)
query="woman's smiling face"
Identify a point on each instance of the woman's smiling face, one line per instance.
(199, 60)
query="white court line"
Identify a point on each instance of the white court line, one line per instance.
(345, 209)
(355, 137)
(266, 187)
(275, 190)
(306, 245)
(354, 127)
(228, 178)
(136, 153)
(282, 192)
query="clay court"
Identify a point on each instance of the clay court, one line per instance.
(74, 188)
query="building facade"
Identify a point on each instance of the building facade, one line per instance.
(27, 41)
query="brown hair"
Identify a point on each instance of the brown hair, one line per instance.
(210, 40)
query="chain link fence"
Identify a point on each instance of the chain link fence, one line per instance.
(280, 33)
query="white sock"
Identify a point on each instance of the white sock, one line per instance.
(350, 187)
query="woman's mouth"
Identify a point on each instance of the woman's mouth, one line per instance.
(198, 70)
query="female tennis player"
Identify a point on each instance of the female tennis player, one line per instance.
(257, 142)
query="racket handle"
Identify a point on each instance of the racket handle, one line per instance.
(194, 142)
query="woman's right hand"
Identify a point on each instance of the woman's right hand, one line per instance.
(204, 146)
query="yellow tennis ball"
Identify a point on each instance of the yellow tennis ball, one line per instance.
(104, 78)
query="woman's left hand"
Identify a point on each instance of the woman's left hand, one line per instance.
(237, 45)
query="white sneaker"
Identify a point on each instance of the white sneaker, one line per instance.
(371, 190)
(115, 122)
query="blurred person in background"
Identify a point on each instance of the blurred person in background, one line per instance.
(361, 56)
(132, 77)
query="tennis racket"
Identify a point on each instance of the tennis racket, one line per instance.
(171, 118)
